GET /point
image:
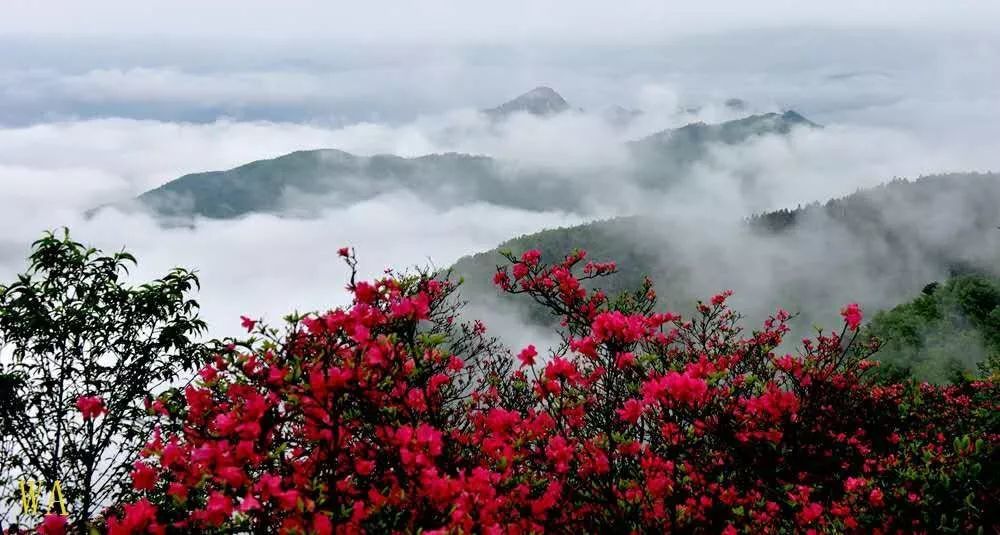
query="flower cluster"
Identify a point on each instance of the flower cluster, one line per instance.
(91, 407)
(387, 416)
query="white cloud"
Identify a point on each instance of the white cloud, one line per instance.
(142, 154)
(268, 265)
(889, 111)
(263, 265)
(260, 264)
(814, 165)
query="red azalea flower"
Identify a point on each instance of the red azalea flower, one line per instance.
(631, 412)
(875, 497)
(527, 356)
(91, 407)
(143, 476)
(53, 524)
(852, 316)
(531, 257)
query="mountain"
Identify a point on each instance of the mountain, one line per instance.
(540, 101)
(302, 182)
(729, 133)
(878, 246)
(672, 152)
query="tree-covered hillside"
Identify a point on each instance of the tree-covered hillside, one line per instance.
(878, 246)
(672, 151)
(950, 328)
(303, 182)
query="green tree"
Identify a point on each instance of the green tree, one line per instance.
(71, 327)
(947, 332)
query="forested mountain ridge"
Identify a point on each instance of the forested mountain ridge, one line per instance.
(302, 182)
(878, 246)
(729, 132)
(289, 184)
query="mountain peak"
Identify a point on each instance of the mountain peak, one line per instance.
(795, 117)
(542, 92)
(541, 100)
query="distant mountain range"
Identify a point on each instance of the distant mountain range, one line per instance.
(879, 246)
(671, 152)
(303, 182)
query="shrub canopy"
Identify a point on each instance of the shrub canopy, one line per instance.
(389, 416)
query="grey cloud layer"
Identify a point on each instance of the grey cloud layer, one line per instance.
(268, 265)
(825, 74)
(517, 21)
(84, 128)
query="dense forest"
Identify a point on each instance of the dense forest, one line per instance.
(952, 327)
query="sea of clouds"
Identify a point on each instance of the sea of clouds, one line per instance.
(79, 129)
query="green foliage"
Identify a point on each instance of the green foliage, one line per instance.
(75, 329)
(943, 333)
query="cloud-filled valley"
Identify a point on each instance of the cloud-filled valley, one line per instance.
(113, 132)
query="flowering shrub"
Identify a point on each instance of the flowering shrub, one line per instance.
(389, 416)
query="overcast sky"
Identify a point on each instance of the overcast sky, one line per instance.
(474, 22)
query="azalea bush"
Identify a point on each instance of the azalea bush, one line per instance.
(391, 416)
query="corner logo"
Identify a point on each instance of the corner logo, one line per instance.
(30, 492)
